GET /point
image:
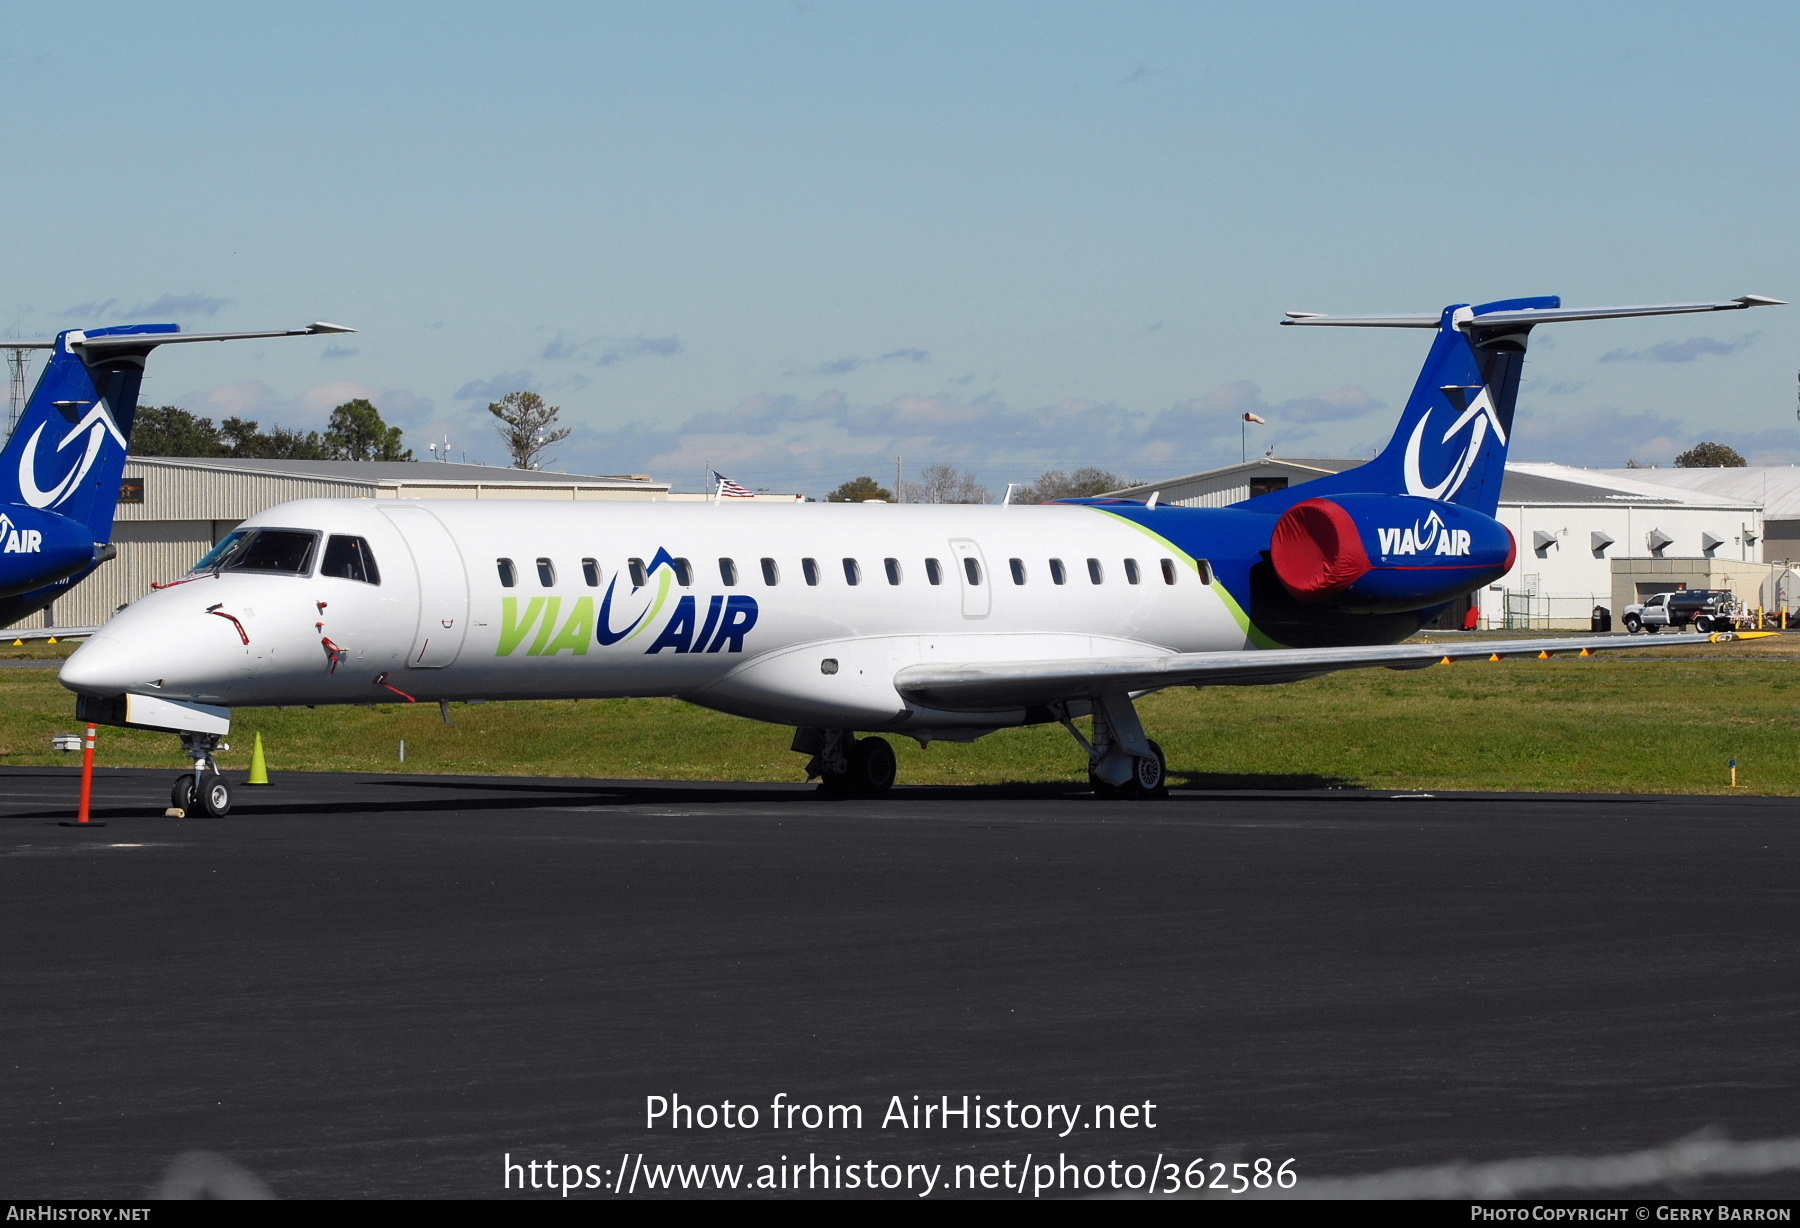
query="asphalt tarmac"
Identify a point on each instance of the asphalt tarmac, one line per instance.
(386, 985)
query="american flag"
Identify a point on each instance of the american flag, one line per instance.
(728, 489)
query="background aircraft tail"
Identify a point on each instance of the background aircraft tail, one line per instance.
(67, 453)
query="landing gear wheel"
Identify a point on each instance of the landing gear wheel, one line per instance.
(215, 795)
(185, 797)
(1633, 624)
(1103, 790)
(1147, 776)
(872, 767)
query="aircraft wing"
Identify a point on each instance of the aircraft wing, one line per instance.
(972, 686)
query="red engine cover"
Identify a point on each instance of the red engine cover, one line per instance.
(1318, 551)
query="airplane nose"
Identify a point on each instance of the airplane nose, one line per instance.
(102, 666)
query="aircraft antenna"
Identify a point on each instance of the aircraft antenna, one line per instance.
(18, 362)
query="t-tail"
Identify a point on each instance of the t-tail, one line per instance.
(1451, 441)
(61, 469)
(67, 452)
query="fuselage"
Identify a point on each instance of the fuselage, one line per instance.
(795, 613)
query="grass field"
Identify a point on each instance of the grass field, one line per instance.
(1653, 722)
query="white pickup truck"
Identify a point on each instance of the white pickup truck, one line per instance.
(1708, 609)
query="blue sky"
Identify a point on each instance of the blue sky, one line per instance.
(797, 239)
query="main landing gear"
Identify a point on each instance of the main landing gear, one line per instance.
(846, 765)
(1122, 762)
(204, 789)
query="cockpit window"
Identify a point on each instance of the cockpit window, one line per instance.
(287, 552)
(348, 558)
(217, 554)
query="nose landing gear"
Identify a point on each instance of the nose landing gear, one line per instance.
(204, 789)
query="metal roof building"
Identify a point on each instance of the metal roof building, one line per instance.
(173, 510)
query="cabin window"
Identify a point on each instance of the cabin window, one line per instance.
(590, 573)
(638, 577)
(287, 552)
(546, 573)
(1205, 570)
(508, 577)
(1018, 570)
(934, 574)
(1168, 570)
(728, 573)
(893, 570)
(1057, 574)
(1095, 574)
(852, 572)
(771, 573)
(1131, 571)
(809, 568)
(348, 558)
(684, 575)
(972, 569)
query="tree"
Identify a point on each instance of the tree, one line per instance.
(528, 426)
(356, 432)
(242, 438)
(1711, 456)
(1054, 484)
(860, 490)
(946, 484)
(169, 430)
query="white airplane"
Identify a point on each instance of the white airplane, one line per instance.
(936, 622)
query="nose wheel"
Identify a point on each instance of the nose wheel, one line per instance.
(205, 789)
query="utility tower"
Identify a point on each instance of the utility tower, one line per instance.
(18, 362)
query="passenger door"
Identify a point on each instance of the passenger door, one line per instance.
(977, 585)
(443, 587)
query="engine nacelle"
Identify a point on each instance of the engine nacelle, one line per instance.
(1383, 554)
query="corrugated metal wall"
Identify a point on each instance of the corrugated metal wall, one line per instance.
(183, 492)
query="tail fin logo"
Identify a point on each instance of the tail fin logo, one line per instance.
(1478, 415)
(96, 425)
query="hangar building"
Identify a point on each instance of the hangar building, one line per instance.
(174, 509)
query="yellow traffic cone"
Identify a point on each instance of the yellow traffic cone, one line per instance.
(259, 767)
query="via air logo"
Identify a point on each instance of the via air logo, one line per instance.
(1479, 416)
(17, 540)
(722, 628)
(92, 427)
(1427, 537)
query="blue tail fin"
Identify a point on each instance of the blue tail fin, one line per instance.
(67, 453)
(1451, 441)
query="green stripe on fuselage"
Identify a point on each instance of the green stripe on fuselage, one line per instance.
(1250, 629)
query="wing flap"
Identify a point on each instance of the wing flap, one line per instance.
(971, 685)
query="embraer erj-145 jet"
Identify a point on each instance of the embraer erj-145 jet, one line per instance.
(938, 622)
(60, 471)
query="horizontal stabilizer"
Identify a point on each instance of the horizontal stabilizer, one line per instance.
(1543, 315)
(144, 341)
(984, 687)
